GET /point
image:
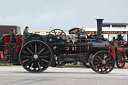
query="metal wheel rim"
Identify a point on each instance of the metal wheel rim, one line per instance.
(35, 56)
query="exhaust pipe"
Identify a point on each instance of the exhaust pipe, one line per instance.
(99, 30)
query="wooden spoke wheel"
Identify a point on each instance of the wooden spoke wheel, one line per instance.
(103, 62)
(35, 56)
(120, 59)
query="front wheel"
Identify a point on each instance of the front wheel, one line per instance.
(103, 62)
(35, 56)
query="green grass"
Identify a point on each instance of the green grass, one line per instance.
(71, 65)
(4, 64)
(67, 65)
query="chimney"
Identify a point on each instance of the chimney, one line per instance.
(99, 30)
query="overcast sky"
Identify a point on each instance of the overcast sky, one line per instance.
(64, 14)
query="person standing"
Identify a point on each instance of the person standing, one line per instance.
(13, 36)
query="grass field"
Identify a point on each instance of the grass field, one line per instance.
(4, 64)
(67, 65)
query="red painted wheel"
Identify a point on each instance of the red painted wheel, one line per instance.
(120, 59)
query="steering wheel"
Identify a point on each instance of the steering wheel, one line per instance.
(57, 32)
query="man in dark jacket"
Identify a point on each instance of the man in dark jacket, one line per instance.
(26, 33)
(13, 36)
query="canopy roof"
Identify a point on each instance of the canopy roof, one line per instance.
(114, 24)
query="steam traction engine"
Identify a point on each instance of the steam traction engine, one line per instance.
(56, 48)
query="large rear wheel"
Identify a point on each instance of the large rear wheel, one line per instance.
(35, 56)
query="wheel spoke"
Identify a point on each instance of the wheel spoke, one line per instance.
(110, 62)
(108, 59)
(104, 57)
(45, 53)
(29, 62)
(99, 58)
(39, 47)
(41, 62)
(45, 60)
(26, 52)
(27, 56)
(35, 64)
(32, 65)
(97, 62)
(35, 48)
(43, 56)
(97, 65)
(25, 60)
(39, 65)
(31, 46)
(41, 51)
(30, 51)
(109, 66)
